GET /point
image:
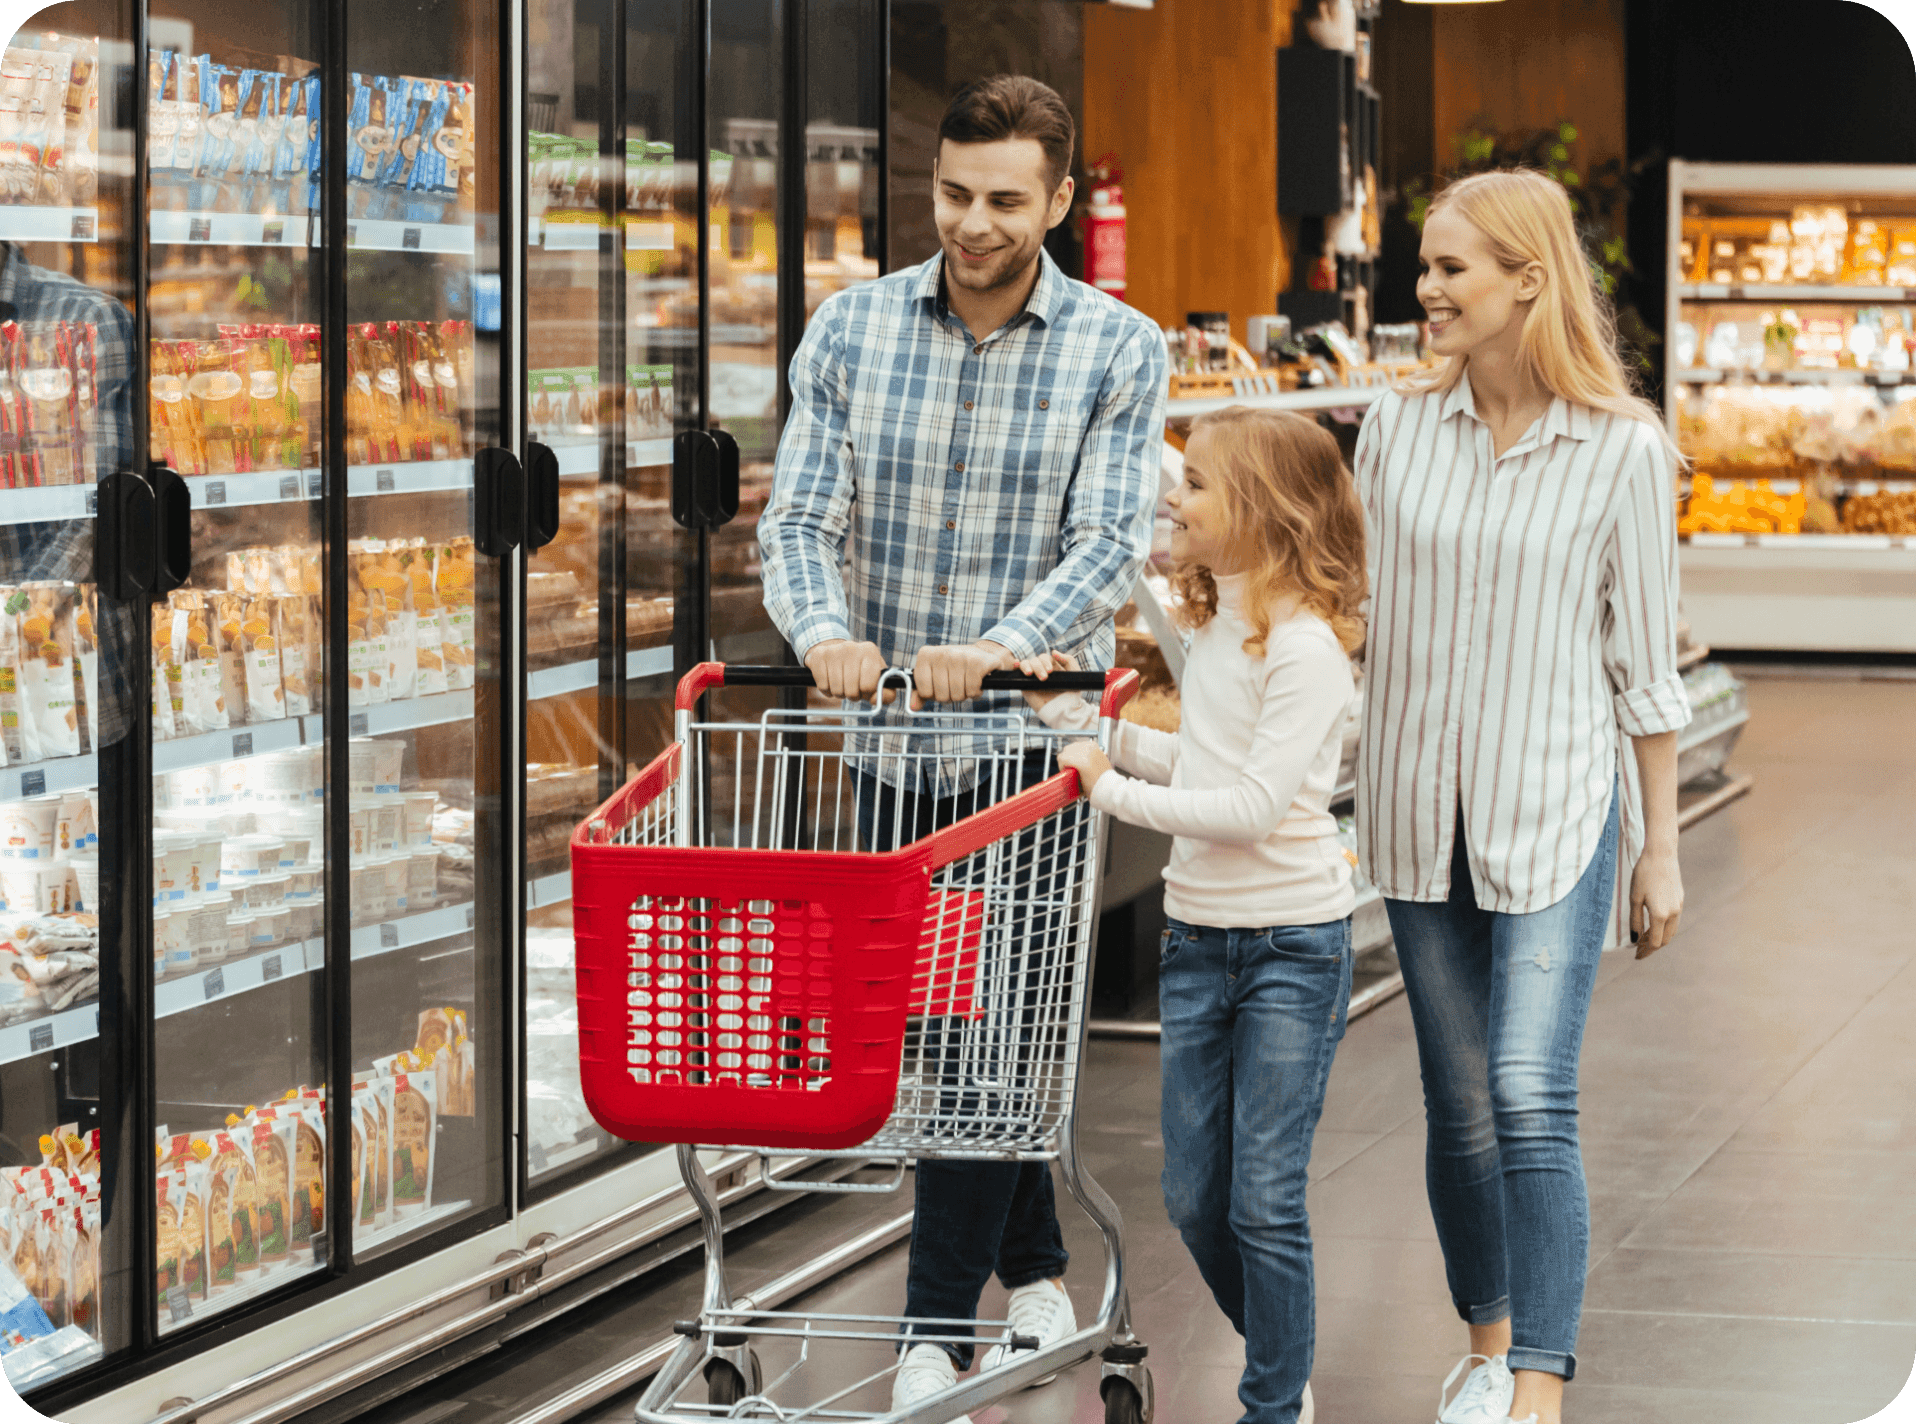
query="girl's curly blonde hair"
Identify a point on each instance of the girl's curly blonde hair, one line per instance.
(1294, 518)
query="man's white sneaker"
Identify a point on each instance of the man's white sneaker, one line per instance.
(926, 1370)
(1041, 1310)
(1485, 1395)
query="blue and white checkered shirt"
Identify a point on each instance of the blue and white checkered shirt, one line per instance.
(998, 489)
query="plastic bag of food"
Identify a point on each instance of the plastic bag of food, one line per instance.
(86, 644)
(454, 582)
(376, 1091)
(232, 1212)
(49, 705)
(415, 1123)
(273, 1147)
(415, 563)
(27, 132)
(302, 120)
(388, 586)
(265, 691)
(299, 652)
(309, 1173)
(372, 126)
(229, 643)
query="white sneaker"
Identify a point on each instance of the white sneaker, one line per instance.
(1041, 1310)
(1485, 1396)
(925, 1371)
(1527, 1419)
(1307, 1411)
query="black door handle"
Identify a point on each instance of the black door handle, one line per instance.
(542, 496)
(704, 478)
(498, 501)
(722, 505)
(125, 537)
(174, 510)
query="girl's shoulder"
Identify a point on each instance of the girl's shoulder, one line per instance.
(1300, 637)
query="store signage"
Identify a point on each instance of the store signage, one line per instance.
(215, 983)
(409, 239)
(33, 783)
(83, 227)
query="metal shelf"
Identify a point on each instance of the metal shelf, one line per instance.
(43, 778)
(410, 930)
(583, 675)
(413, 477)
(229, 229)
(583, 458)
(549, 890)
(223, 981)
(1791, 292)
(35, 224)
(28, 506)
(43, 1035)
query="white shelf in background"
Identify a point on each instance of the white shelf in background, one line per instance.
(557, 681)
(32, 224)
(44, 778)
(206, 748)
(649, 662)
(389, 236)
(569, 236)
(657, 451)
(254, 487)
(229, 229)
(223, 981)
(28, 506)
(1791, 292)
(411, 477)
(410, 930)
(405, 715)
(549, 890)
(43, 1035)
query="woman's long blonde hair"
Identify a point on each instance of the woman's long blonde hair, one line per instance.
(1569, 340)
(1292, 515)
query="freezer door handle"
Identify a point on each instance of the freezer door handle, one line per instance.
(498, 502)
(542, 496)
(704, 479)
(174, 506)
(724, 496)
(125, 544)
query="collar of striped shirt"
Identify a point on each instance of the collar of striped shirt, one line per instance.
(1562, 418)
(997, 488)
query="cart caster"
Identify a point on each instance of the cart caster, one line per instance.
(1124, 1401)
(726, 1384)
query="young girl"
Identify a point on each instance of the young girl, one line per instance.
(1518, 758)
(1255, 970)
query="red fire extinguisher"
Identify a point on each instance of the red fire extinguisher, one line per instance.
(1104, 228)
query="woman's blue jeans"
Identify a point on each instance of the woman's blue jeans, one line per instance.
(1251, 1019)
(1499, 1002)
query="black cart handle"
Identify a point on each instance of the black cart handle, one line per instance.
(748, 675)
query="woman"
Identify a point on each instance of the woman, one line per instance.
(1523, 625)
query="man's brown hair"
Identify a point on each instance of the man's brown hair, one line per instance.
(1011, 106)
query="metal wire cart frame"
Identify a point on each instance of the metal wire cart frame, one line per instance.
(778, 950)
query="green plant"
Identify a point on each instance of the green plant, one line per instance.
(1599, 199)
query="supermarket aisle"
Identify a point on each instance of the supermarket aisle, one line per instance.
(1749, 1119)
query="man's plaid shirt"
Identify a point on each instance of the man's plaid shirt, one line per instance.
(1000, 489)
(63, 550)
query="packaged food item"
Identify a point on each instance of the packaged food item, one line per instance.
(415, 1122)
(48, 694)
(40, 358)
(273, 1148)
(190, 1185)
(41, 129)
(232, 1213)
(17, 73)
(87, 656)
(299, 651)
(265, 690)
(1867, 262)
(375, 1093)
(371, 121)
(454, 580)
(299, 102)
(223, 91)
(411, 100)
(176, 436)
(249, 180)
(309, 1174)
(227, 625)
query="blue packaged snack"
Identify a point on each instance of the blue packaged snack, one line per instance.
(289, 159)
(370, 126)
(425, 156)
(410, 99)
(21, 1318)
(258, 140)
(315, 151)
(224, 94)
(442, 153)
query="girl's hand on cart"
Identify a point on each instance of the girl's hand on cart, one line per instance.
(1085, 759)
(847, 670)
(1041, 667)
(955, 672)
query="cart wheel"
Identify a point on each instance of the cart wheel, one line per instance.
(724, 1385)
(1122, 1404)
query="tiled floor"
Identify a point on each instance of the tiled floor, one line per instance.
(1749, 1123)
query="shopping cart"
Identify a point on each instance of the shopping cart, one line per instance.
(766, 961)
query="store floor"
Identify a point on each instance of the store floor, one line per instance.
(1749, 1126)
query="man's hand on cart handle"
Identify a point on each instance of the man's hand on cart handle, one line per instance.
(956, 672)
(1041, 667)
(1085, 759)
(848, 670)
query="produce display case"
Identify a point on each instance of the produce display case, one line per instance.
(1790, 381)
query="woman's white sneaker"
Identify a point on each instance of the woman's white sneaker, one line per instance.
(1041, 1310)
(1483, 1398)
(925, 1371)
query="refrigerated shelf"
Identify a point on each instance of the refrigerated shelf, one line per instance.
(29, 506)
(408, 931)
(1803, 292)
(259, 738)
(236, 976)
(43, 778)
(549, 890)
(32, 1037)
(230, 229)
(582, 458)
(583, 675)
(36, 224)
(1711, 376)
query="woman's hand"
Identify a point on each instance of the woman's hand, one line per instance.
(1085, 759)
(1656, 900)
(1041, 667)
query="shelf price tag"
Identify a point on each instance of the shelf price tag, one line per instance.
(360, 724)
(389, 936)
(199, 230)
(273, 233)
(33, 783)
(468, 917)
(92, 503)
(242, 744)
(40, 1038)
(214, 983)
(179, 1305)
(215, 492)
(383, 481)
(82, 227)
(537, 1157)
(289, 487)
(315, 481)
(270, 968)
(409, 239)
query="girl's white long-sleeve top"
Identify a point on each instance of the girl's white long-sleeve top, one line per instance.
(1245, 785)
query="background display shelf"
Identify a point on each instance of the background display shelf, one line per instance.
(29, 506)
(34, 224)
(370, 941)
(584, 675)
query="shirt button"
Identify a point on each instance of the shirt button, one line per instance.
(959, 467)
(967, 405)
(944, 588)
(978, 350)
(1044, 405)
(951, 524)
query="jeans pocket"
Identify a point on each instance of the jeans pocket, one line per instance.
(1169, 944)
(1321, 946)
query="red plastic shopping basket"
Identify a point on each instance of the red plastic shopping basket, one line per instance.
(736, 997)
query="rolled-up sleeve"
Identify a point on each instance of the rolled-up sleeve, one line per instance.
(1107, 528)
(1639, 627)
(801, 535)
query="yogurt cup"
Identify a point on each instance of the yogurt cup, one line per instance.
(173, 853)
(251, 855)
(420, 806)
(395, 869)
(161, 800)
(36, 888)
(209, 847)
(194, 787)
(86, 880)
(359, 836)
(315, 775)
(368, 882)
(299, 826)
(422, 878)
(26, 828)
(360, 776)
(389, 761)
(279, 885)
(239, 934)
(302, 920)
(205, 918)
(174, 949)
(74, 829)
(299, 850)
(254, 893)
(261, 932)
(277, 922)
(303, 882)
(235, 781)
(388, 825)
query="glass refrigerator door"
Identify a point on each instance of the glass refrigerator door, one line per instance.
(72, 1167)
(612, 360)
(422, 623)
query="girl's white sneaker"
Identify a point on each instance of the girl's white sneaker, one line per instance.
(1485, 1395)
(925, 1371)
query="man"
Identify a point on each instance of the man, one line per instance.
(989, 429)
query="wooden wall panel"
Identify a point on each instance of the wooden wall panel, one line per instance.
(1527, 64)
(1186, 95)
